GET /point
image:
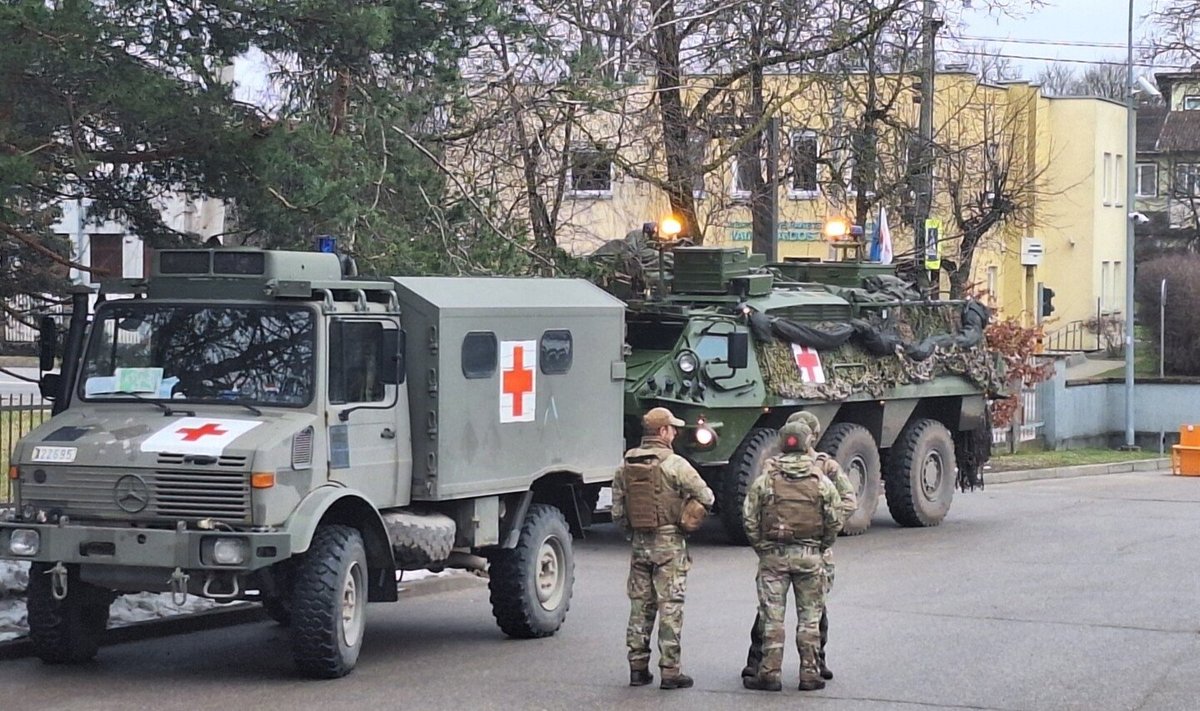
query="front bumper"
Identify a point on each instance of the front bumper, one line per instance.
(143, 547)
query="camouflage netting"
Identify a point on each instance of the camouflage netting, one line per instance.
(923, 349)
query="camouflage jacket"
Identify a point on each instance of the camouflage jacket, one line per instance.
(830, 467)
(760, 492)
(679, 475)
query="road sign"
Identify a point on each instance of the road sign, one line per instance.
(933, 244)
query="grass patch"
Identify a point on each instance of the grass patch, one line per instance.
(1064, 458)
(14, 425)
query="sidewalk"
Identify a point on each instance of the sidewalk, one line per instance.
(1139, 465)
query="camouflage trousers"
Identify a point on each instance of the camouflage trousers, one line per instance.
(800, 569)
(658, 570)
(755, 654)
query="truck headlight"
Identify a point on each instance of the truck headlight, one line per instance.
(225, 551)
(687, 362)
(24, 542)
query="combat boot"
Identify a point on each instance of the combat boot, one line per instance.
(677, 680)
(811, 683)
(758, 683)
(825, 673)
(749, 670)
(640, 677)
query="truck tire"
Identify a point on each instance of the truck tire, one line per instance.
(745, 465)
(531, 584)
(65, 631)
(329, 596)
(856, 451)
(419, 539)
(921, 473)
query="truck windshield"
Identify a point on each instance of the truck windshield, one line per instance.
(246, 354)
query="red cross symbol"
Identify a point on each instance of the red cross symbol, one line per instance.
(809, 363)
(191, 434)
(518, 381)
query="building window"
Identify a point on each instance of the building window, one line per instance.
(591, 172)
(1191, 103)
(106, 260)
(697, 153)
(555, 352)
(804, 164)
(1147, 180)
(1114, 304)
(1105, 275)
(1119, 179)
(1108, 173)
(479, 350)
(743, 173)
(993, 278)
(1187, 179)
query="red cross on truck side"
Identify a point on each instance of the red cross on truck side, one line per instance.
(191, 434)
(518, 381)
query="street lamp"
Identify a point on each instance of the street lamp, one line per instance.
(1130, 177)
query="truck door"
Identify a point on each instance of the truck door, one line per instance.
(368, 449)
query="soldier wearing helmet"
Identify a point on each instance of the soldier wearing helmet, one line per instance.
(653, 494)
(791, 516)
(833, 471)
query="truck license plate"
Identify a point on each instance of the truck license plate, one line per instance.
(59, 455)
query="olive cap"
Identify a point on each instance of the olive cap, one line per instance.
(660, 417)
(806, 418)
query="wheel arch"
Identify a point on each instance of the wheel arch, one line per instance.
(336, 505)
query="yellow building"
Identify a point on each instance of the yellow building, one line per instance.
(1060, 161)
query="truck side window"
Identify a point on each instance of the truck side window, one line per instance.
(356, 362)
(479, 355)
(555, 352)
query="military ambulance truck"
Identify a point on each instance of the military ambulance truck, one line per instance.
(261, 425)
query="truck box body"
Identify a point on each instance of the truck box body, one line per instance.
(510, 378)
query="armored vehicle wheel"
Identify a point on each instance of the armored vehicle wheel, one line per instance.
(329, 600)
(65, 631)
(920, 479)
(531, 584)
(745, 465)
(855, 450)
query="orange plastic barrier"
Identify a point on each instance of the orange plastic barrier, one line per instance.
(1185, 456)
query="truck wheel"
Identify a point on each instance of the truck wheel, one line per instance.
(329, 600)
(744, 467)
(855, 450)
(531, 584)
(65, 631)
(921, 472)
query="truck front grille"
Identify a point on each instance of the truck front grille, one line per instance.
(159, 495)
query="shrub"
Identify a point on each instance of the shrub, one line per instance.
(1181, 347)
(1017, 345)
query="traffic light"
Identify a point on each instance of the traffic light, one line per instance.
(1047, 305)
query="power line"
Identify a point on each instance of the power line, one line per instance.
(1055, 43)
(1113, 63)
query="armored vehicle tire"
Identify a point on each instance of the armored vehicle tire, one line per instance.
(65, 631)
(329, 600)
(920, 479)
(745, 465)
(531, 584)
(856, 451)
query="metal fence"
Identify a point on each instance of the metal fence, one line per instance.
(19, 413)
(1026, 424)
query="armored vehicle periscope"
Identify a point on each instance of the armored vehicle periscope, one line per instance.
(734, 346)
(258, 425)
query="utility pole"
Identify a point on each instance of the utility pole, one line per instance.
(924, 182)
(1131, 164)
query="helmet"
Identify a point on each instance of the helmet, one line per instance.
(809, 419)
(795, 437)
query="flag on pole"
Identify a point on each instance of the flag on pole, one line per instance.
(875, 253)
(885, 238)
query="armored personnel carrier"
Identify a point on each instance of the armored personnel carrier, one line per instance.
(734, 346)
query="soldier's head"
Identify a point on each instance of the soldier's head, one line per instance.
(661, 423)
(795, 437)
(807, 418)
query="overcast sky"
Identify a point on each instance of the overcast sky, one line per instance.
(1073, 22)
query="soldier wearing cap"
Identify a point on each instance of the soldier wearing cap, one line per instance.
(649, 495)
(834, 472)
(791, 516)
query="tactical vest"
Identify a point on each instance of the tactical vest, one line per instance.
(826, 464)
(792, 511)
(649, 502)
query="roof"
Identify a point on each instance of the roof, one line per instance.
(1149, 126)
(1180, 132)
(499, 293)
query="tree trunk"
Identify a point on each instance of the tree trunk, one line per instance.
(674, 119)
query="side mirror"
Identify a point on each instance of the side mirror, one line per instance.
(49, 384)
(393, 347)
(47, 343)
(739, 350)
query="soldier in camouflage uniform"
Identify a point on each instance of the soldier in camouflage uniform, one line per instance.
(648, 496)
(833, 471)
(791, 516)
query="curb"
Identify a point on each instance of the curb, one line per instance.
(233, 615)
(1141, 465)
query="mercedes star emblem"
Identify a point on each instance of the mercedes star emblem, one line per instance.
(131, 493)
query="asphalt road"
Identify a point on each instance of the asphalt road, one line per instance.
(1066, 594)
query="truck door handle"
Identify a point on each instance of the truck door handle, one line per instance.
(388, 433)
